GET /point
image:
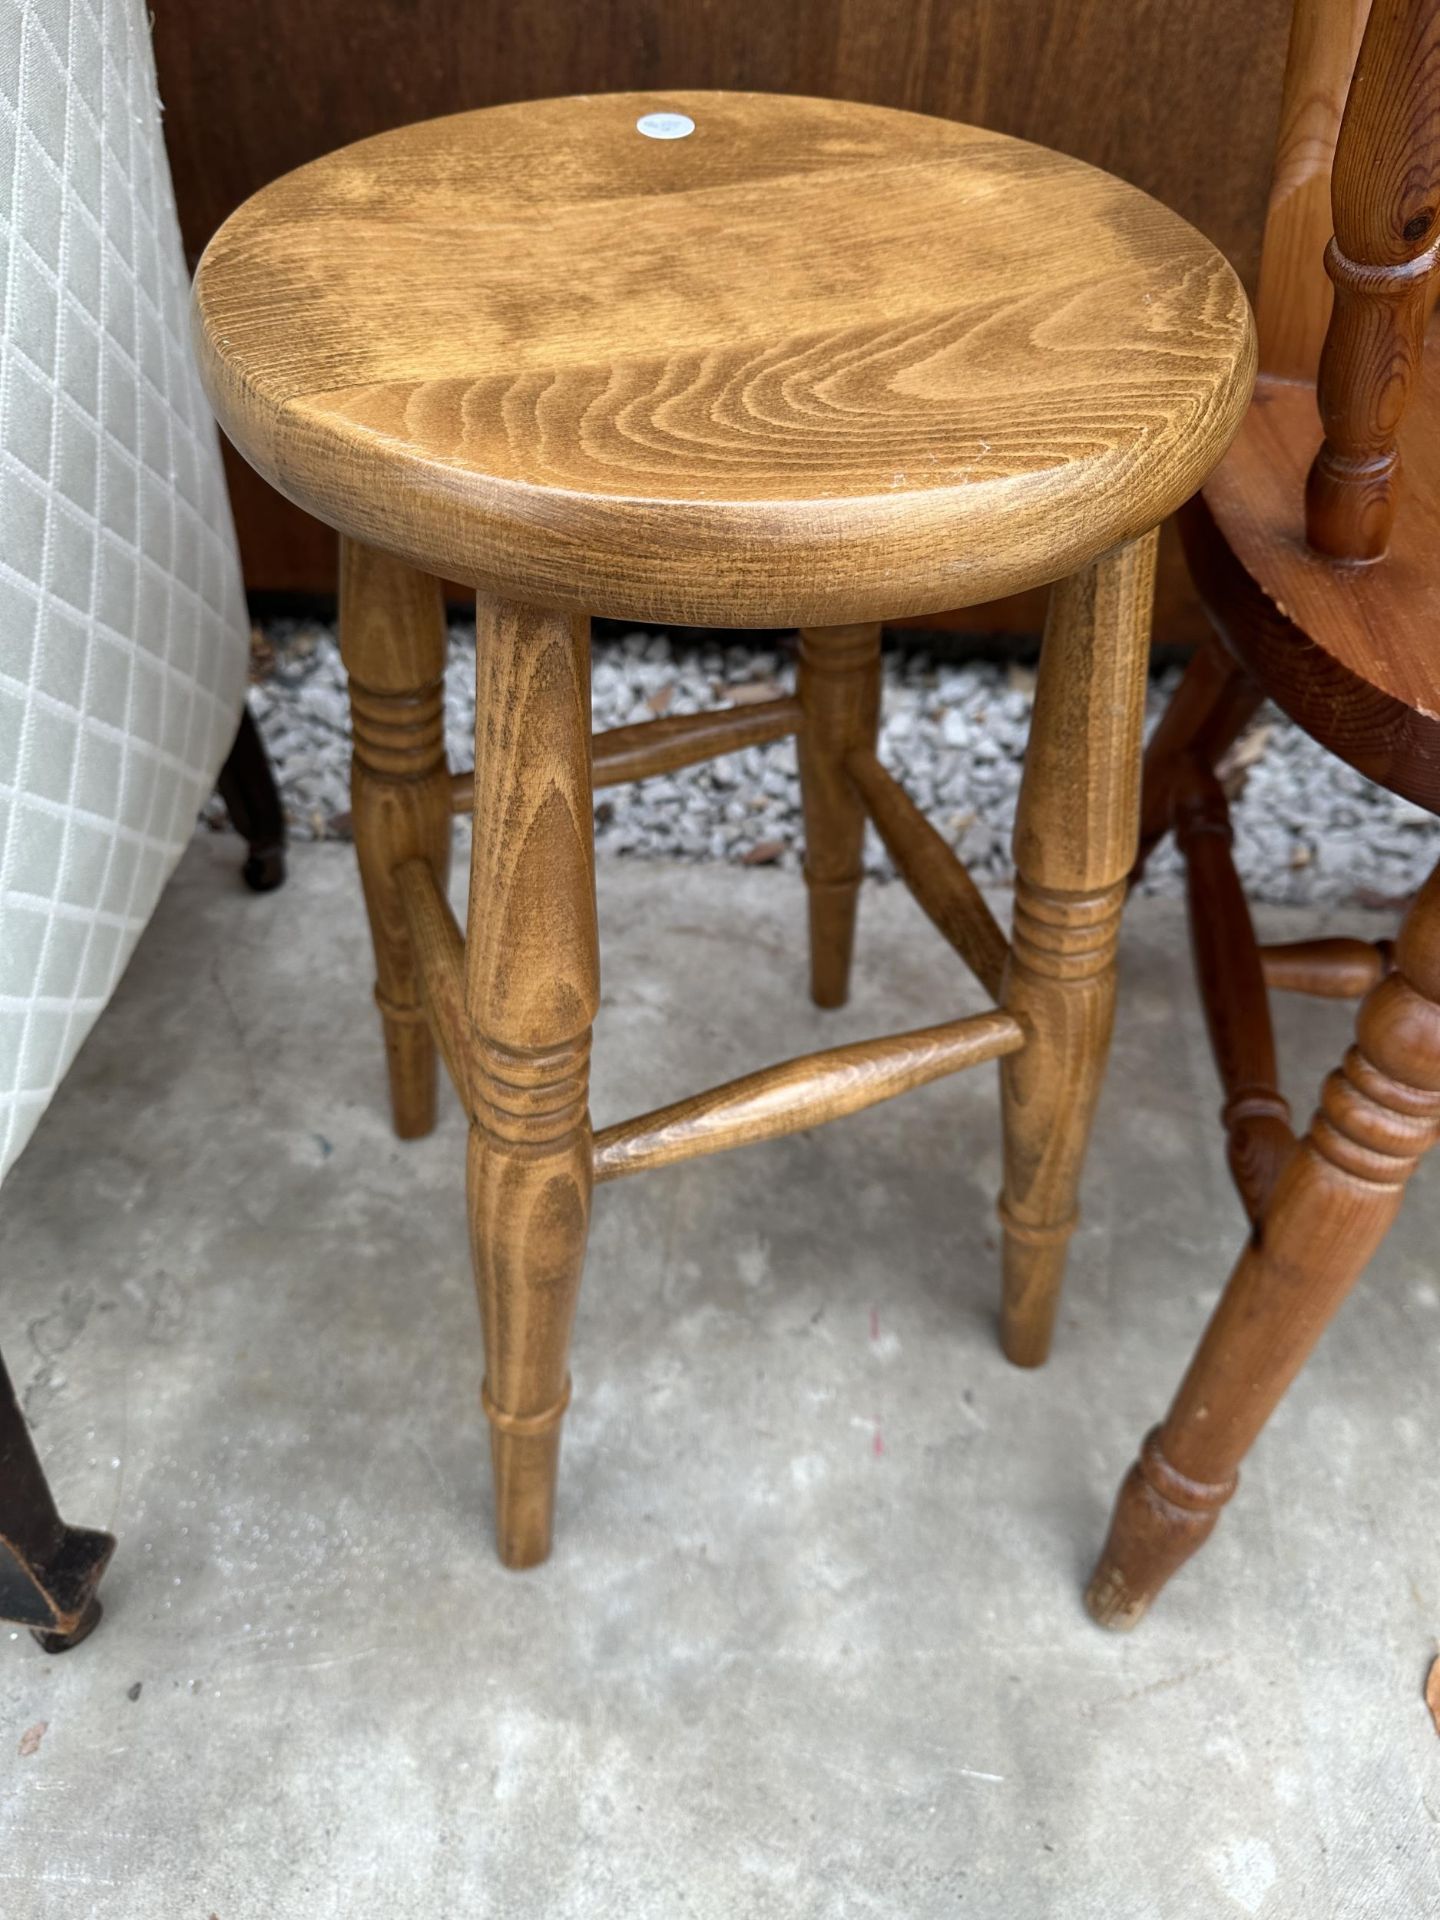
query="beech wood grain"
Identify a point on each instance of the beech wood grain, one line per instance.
(1076, 834)
(532, 965)
(802, 1093)
(649, 747)
(439, 947)
(934, 873)
(254, 91)
(392, 641)
(896, 363)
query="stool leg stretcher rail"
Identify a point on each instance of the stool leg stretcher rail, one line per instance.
(932, 871)
(799, 1093)
(649, 747)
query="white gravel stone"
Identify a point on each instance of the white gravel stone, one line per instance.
(1308, 830)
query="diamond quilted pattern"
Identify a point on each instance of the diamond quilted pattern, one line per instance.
(122, 624)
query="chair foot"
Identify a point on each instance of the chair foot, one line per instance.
(410, 1064)
(525, 1467)
(1160, 1519)
(51, 1640)
(832, 939)
(1032, 1269)
(265, 868)
(247, 786)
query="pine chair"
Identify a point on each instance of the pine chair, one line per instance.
(1321, 574)
(733, 360)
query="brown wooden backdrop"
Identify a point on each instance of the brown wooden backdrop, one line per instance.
(1179, 96)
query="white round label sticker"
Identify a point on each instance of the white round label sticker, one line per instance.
(665, 126)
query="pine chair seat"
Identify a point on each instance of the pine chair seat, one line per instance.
(1352, 653)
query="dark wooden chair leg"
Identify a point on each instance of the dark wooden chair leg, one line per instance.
(1231, 975)
(247, 786)
(48, 1571)
(1208, 712)
(1332, 1205)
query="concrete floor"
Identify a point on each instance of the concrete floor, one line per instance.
(811, 1643)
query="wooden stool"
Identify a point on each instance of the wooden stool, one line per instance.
(734, 360)
(1322, 576)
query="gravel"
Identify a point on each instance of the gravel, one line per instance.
(1308, 830)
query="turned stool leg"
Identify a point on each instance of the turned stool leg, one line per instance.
(392, 640)
(1075, 838)
(532, 965)
(1331, 1207)
(839, 688)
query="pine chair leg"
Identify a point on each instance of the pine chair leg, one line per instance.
(532, 988)
(1075, 836)
(1331, 1207)
(392, 640)
(1214, 703)
(1256, 1115)
(839, 686)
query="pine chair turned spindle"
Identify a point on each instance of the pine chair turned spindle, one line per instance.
(1321, 573)
(731, 360)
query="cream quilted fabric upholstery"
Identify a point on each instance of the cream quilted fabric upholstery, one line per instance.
(123, 636)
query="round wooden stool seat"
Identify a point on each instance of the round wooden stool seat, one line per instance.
(808, 362)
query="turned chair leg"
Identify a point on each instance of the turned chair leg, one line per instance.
(1228, 967)
(1075, 837)
(532, 966)
(392, 640)
(1331, 1207)
(1214, 703)
(839, 688)
(246, 784)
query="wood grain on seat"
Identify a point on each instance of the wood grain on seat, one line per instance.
(815, 363)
